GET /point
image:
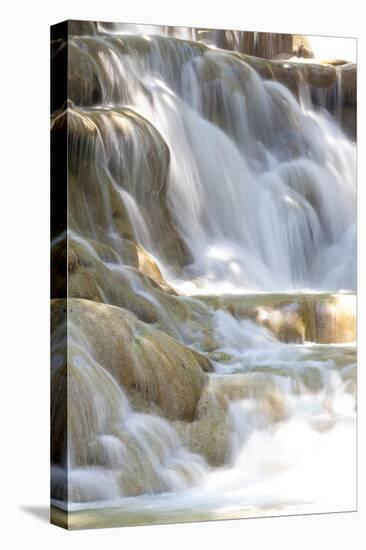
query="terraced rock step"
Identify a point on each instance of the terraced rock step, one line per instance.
(322, 318)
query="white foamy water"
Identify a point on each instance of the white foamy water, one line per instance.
(292, 417)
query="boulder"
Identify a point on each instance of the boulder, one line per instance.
(142, 358)
(209, 435)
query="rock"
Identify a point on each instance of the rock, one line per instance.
(319, 76)
(349, 121)
(94, 203)
(151, 300)
(330, 319)
(292, 73)
(332, 78)
(341, 98)
(220, 356)
(119, 193)
(258, 386)
(110, 356)
(301, 46)
(148, 266)
(291, 330)
(80, 28)
(304, 52)
(59, 265)
(59, 401)
(261, 44)
(283, 57)
(322, 318)
(273, 407)
(85, 87)
(267, 44)
(334, 62)
(210, 433)
(348, 82)
(142, 358)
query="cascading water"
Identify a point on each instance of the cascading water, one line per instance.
(260, 187)
(191, 175)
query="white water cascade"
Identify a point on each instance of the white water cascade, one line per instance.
(262, 188)
(225, 184)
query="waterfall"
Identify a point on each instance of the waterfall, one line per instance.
(283, 401)
(210, 361)
(260, 187)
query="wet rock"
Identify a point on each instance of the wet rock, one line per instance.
(320, 76)
(219, 356)
(97, 273)
(80, 28)
(301, 46)
(348, 82)
(148, 266)
(84, 85)
(106, 185)
(142, 358)
(261, 44)
(322, 318)
(209, 434)
(334, 62)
